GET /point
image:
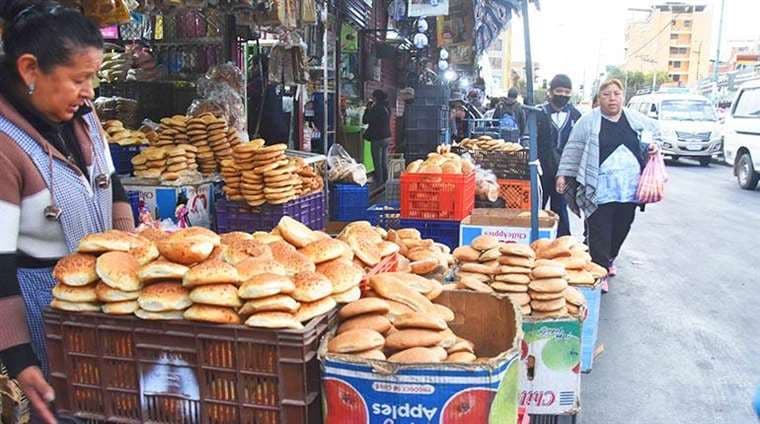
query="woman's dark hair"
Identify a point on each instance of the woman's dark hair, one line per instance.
(380, 96)
(50, 32)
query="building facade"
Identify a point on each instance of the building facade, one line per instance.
(674, 37)
(498, 61)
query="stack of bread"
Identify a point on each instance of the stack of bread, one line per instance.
(280, 179)
(573, 255)
(384, 329)
(233, 138)
(213, 286)
(310, 181)
(547, 289)
(172, 131)
(443, 161)
(367, 244)
(176, 163)
(218, 139)
(232, 179)
(150, 163)
(198, 134)
(488, 143)
(244, 154)
(76, 278)
(575, 301)
(162, 296)
(117, 134)
(420, 256)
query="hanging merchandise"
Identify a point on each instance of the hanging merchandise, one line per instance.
(491, 17)
(222, 92)
(308, 12)
(106, 12)
(279, 13)
(135, 28)
(288, 61)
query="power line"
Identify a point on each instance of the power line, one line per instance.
(675, 16)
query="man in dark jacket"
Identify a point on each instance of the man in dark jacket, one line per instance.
(513, 109)
(554, 127)
(378, 118)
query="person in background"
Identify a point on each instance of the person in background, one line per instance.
(554, 127)
(512, 109)
(595, 101)
(600, 168)
(57, 175)
(378, 118)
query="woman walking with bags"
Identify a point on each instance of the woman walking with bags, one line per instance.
(600, 169)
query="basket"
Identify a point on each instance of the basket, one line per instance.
(516, 193)
(508, 165)
(126, 370)
(348, 202)
(238, 216)
(122, 158)
(384, 215)
(437, 196)
(445, 232)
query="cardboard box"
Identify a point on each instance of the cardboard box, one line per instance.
(359, 391)
(593, 294)
(551, 352)
(162, 200)
(507, 225)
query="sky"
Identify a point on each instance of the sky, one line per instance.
(581, 37)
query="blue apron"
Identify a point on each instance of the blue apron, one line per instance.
(85, 208)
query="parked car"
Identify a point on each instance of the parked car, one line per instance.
(689, 124)
(742, 136)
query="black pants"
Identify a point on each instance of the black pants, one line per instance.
(607, 229)
(380, 159)
(558, 204)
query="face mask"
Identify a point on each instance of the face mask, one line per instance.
(560, 101)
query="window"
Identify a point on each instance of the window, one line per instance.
(676, 78)
(495, 62)
(748, 105)
(674, 36)
(676, 63)
(687, 24)
(687, 110)
(496, 46)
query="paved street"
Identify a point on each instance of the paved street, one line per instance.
(680, 324)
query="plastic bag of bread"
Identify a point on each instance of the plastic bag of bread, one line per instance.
(486, 186)
(106, 12)
(343, 168)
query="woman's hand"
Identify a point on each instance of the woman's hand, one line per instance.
(38, 391)
(561, 185)
(653, 149)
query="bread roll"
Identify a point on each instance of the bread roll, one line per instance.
(468, 283)
(461, 345)
(323, 250)
(542, 272)
(295, 232)
(274, 320)
(74, 306)
(342, 274)
(393, 289)
(159, 316)
(118, 270)
(162, 297)
(419, 320)
(358, 340)
(367, 305)
(276, 303)
(376, 322)
(374, 354)
(405, 339)
(365, 250)
(217, 295)
(145, 253)
(311, 286)
(265, 285)
(162, 269)
(105, 293)
(252, 267)
(418, 355)
(211, 272)
(509, 288)
(574, 296)
(521, 299)
(443, 312)
(212, 314)
(309, 310)
(484, 242)
(461, 358)
(548, 305)
(75, 294)
(235, 236)
(109, 241)
(127, 307)
(351, 295)
(580, 277)
(185, 252)
(293, 261)
(549, 285)
(76, 270)
(514, 249)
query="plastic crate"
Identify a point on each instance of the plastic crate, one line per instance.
(446, 232)
(396, 165)
(348, 202)
(384, 215)
(393, 191)
(238, 216)
(507, 165)
(434, 95)
(437, 196)
(126, 370)
(516, 193)
(122, 158)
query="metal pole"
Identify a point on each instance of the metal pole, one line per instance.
(716, 67)
(530, 101)
(325, 82)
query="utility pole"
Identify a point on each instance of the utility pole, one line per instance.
(716, 66)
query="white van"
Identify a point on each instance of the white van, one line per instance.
(689, 124)
(742, 136)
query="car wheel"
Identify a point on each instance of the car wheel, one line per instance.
(704, 162)
(745, 172)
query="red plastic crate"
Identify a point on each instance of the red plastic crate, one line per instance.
(448, 197)
(516, 193)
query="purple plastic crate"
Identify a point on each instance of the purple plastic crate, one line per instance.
(237, 216)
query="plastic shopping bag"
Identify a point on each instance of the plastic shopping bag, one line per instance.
(652, 183)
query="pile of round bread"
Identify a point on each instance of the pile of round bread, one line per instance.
(490, 144)
(420, 256)
(443, 161)
(117, 134)
(280, 279)
(398, 322)
(536, 282)
(261, 174)
(574, 257)
(168, 163)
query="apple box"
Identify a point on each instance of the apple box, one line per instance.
(507, 225)
(357, 391)
(162, 200)
(550, 379)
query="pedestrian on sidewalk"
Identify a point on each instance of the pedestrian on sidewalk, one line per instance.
(510, 114)
(378, 117)
(58, 177)
(555, 124)
(600, 169)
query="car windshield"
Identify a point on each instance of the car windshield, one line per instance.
(687, 110)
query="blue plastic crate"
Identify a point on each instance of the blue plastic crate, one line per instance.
(348, 202)
(445, 232)
(122, 157)
(593, 295)
(384, 215)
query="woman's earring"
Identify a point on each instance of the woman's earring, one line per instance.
(31, 89)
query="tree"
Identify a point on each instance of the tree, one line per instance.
(636, 80)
